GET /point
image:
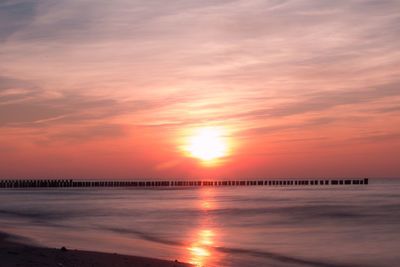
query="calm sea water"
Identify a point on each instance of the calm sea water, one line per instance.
(225, 226)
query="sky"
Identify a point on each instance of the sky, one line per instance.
(116, 89)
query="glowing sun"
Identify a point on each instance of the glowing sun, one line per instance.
(207, 144)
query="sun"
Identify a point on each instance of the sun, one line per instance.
(207, 144)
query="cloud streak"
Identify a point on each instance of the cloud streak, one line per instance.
(78, 71)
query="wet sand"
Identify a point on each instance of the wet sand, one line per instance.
(14, 253)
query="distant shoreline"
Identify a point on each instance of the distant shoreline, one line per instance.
(14, 252)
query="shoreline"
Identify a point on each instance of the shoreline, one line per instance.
(14, 252)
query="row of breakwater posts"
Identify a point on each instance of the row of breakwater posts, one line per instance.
(155, 184)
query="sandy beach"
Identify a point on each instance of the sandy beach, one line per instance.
(14, 252)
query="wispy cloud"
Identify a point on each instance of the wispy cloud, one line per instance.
(75, 69)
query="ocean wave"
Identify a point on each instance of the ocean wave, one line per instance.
(257, 253)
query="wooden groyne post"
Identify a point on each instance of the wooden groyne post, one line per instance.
(67, 183)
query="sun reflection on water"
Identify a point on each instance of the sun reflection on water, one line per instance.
(201, 249)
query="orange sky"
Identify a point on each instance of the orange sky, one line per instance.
(96, 89)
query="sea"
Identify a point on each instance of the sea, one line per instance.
(316, 226)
